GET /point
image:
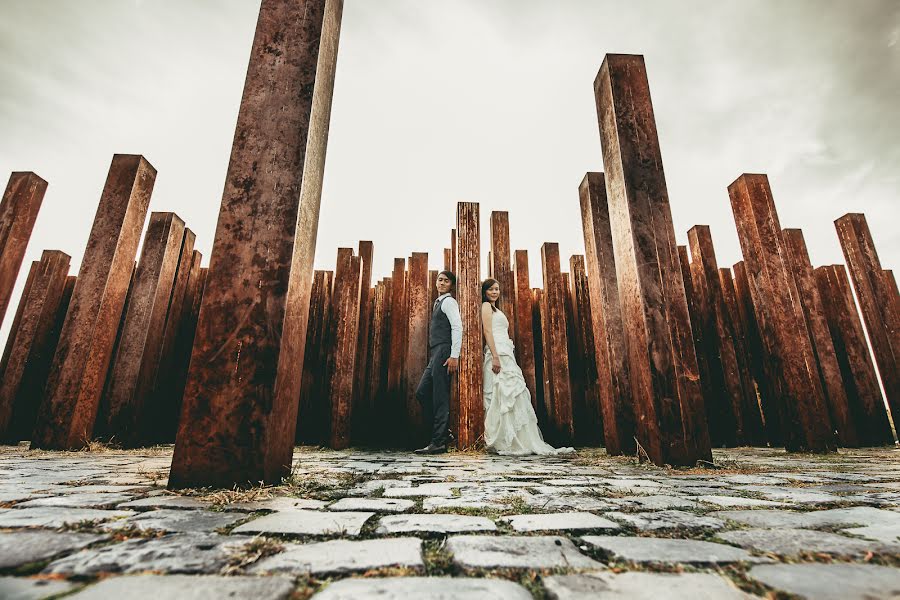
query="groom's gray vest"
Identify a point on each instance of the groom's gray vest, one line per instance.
(439, 332)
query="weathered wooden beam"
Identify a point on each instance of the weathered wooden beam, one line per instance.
(806, 425)
(32, 341)
(723, 395)
(419, 316)
(361, 419)
(823, 347)
(857, 370)
(606, 317)
(343, 341)
(18, 212)
(662, 362)
(588, 414)
(135, 366)
(252, 328)
(312, 413)
(501, 266)
(470, 403)
(81, 362)
(877, 301)
(557, 388)
(523, 332)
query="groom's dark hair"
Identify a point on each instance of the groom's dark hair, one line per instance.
(449, 275)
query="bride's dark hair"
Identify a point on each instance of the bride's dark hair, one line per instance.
(485, 286)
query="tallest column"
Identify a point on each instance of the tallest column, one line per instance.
(240, 404)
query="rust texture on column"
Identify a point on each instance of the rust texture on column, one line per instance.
(18, 212)
(343, 340)
(383, 407)
(536, 324)
(448, 259)
(453, 250)
(806, 425)
(588, 428)
(252, 327)
(312, 414)
(32, 340)
(523, 333)
(399, 326)
(501, 267)
(858, 373)
(763, 371)
(721, 383)
(557, 389)
(606, 318)
(376, 352)
(134, 367)
(752, 419)
(81, 362)
(418, 316)
(432, 287)
(361, 424)
(877, 301)
(823, 348)
(470, 415)
(662, 362)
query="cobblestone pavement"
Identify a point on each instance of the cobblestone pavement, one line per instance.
(394, 525)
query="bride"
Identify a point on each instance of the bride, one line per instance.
(510, 425)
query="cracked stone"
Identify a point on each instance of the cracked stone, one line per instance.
(180, 520)
(434, 523)
(307, 522)
(342, 556)
(19, 588)
(85, 500)
(559, 522)
(835, 581)
(667, 519)
(732, 501)
(517, 552)
(423, 588)
(283, 503)
(20, 548)
(182, 502)
(794, 541)
(51, 517)
(392, 505)
(569, 502)
(642, 586)
(656, 502)
(666, 550)
(187, 587)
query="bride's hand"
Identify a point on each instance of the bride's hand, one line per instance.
(495, 365)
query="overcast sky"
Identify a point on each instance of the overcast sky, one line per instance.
(490, 101)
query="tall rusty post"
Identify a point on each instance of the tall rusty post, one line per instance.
(823, 347)
(470, 415)
(606, 318)
(419, 315)
(343, 340)
(806, 425)
(588, 429)
(501, 266)
(29, 349)
(81, 362)
(386, 417)
(134, 368)
(453, 250)
(537, 322)
(252, 327)
(523, 333)
(375, 369)
(557, 388)
(399, 327)
(361, 423)
(864, 397)
(877, 301)
(312, 412)
(668, 402)
(18, 212)
(432, 286)
(448, 260)
(723, 395)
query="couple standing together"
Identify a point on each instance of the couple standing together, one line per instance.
(510, 425)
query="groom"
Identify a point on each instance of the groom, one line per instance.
(444, 343)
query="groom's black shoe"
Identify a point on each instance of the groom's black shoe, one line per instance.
(431, 449)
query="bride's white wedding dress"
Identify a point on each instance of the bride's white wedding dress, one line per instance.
(510, 425)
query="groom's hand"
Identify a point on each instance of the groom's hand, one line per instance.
(452, 364)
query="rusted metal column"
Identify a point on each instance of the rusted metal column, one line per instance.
(81, 362)
(453, 250)
(135, 366)
(448, 259)
(780, 316)
(361, 424)
(753, 425)
(557, 390)
(432, 286)
(857, 371)
(383, 402)
(376, 353)
(523, 334)
(877, 301)
(606, 318)
(312, 413)
(343, 341)
(468, 293)
(588, 428)
(501, 267)
(823, 348)
(537, 323)
(419, 315)
(399, 326)
(662, 361)
(723, 388)
(29, 349)
(18, 212)
(252, 328)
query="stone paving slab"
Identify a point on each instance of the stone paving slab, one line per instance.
(835, 581)
(667, 550)
(423, 588)
(643, 586)
(54, 516)
(656, 502)
(186, 587)
(789, 542)
(308, 522)
(19, 548)
(737, 501)
(517, 552)
(342, 556)
(157, 502)
(283, 503)
(559, 522)
(433, 523)
(20, 588)
(176, 520)
(391, 505)
(667, 519)
(433, 503)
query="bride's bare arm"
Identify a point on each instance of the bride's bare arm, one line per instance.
(487, 317)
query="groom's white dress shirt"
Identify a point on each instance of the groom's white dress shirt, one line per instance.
(451, 308)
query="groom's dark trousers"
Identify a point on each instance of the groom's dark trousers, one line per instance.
(434, 394)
